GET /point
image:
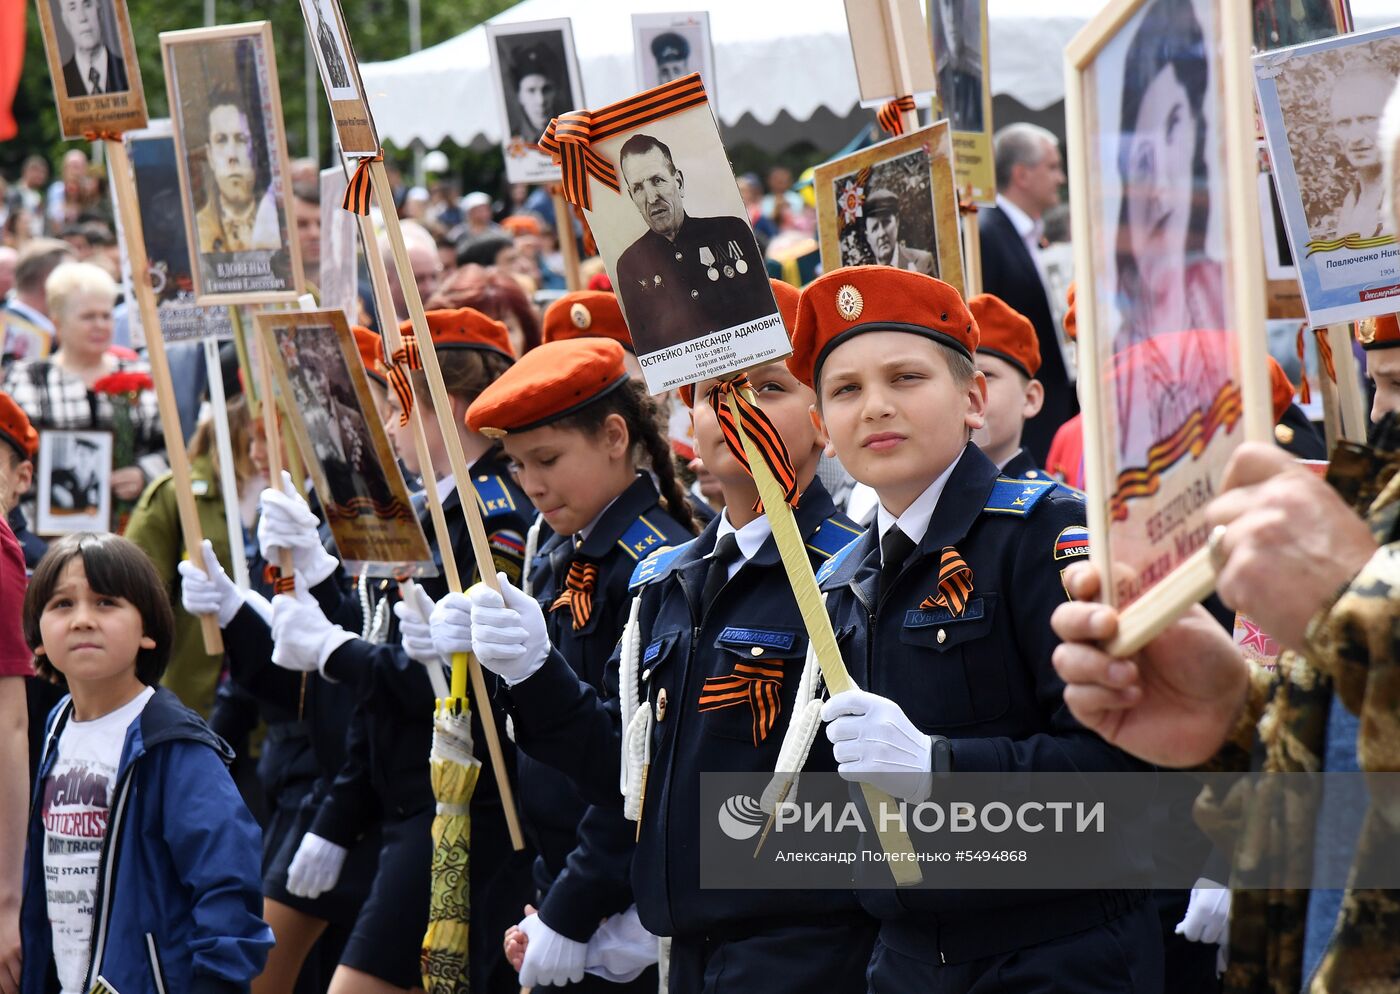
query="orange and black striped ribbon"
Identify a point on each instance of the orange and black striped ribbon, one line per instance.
(570, 138)
(280, 584)
(406, 358)
(1324, 353)
(761, 432)
(577, 594)
(102, 136)
(754, 684)
(954, 583)
(891, 115)
(357, 192)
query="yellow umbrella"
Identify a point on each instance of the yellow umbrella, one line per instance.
(454, 771)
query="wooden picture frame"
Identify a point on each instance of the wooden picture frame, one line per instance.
(515, 49)
(340, 76)
(919, 168)
(226, 77)
(962, 62)
(74, 482)
(119, 102)
(326, 396)
(1166, 398)
(890, 46)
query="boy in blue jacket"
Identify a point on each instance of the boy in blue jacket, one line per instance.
(142, 866)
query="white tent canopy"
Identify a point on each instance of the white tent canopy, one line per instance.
(773, 57)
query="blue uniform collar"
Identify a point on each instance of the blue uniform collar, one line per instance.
(639, 497)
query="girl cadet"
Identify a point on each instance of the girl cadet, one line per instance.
(713, 667)
(389, 740)
(575, 427)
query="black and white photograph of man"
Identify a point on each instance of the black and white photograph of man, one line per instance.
(957, 52)
(669, 46)
(92, 63)
(75, 481)
(536, 82)
(882, 235)
(239, 213)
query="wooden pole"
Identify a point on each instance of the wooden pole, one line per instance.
(1351, 403)
(972, 253)
(228, 476)
(568, 246)
(463, 664)
(124, 192)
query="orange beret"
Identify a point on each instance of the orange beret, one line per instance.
(848, 302)
(371, 348)
(550, 382)
(1005, 333)
(1071, 322)
(464, 328)
(1280, 388)
(1378, 333)
(16, 429)
(586, 314)
(521, 224)
(787, 296)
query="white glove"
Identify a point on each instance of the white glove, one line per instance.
(875, 742)
(315, 867)
(287, 523)
(551, 960)
(451, 623)
(209, 590)
(1208, 918)
(414, 633)
(621, 948)
(303, 638)
(509, 636)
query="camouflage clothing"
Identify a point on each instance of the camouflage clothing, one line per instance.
(1353, 649)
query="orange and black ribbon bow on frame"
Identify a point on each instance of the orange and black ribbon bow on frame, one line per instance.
(954, 584)
(570, 138)
(577, 594)
(405, 359)
(761, 432)
(758, 685)
(357, 191)
(891, 114)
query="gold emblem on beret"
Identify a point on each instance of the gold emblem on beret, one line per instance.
(1366, 331)
(579, 315)
(849, 302)
(1284, 434)
(494, 432)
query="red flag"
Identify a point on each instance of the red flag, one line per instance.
(11, 61)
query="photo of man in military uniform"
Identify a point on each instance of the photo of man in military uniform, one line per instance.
(239, 212)
(672, 54)
(687, 277)
(882, 234)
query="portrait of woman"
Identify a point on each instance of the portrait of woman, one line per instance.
(1169, 353)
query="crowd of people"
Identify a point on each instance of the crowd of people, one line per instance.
(641, 632)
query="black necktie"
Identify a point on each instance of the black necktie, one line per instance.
(726, 551)
(93, 78)
(894, 550)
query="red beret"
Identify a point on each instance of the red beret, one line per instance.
(848, 302)
(16, 429)
(1005, 333)
(371, 348)
(1280, 388)
(1378, 333)
(787, 297)
(550, 382)
(586, 314)
(1071, 322)
(464, 328)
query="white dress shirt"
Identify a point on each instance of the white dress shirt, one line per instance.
(750, 538)
(86, 63)
(914, 521)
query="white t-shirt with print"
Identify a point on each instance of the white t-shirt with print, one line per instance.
(77, 794)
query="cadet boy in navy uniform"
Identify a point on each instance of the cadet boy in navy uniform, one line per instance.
(947, 600)
(1008, 357)
(711, 614)
(687, 276)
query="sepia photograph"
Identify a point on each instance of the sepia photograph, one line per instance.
(326, 397)
(74, 482)
(92, 60)
(537, 79)
(232, 154)
(340, 75)
(669, 46)
(1321, 105)
(893, 204)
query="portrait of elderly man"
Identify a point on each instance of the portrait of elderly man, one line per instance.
(957, 46)
(1357, 102)
(239, 214)
(881, 222)
(687, 276)
(93, 68)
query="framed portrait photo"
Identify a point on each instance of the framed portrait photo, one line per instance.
(340, 75)
(232, 155)
(327, 398)
(92, 61)
(1284, 297)
(536, 77)
(890, 46)
(1282, 23)
(960, 57)
(1173, 368)
(75, 482)
(893, 204)
(676, 240)
(1321, 105)
(669, 46)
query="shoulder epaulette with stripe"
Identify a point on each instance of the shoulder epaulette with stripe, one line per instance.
(1016, 497)
(641, 538)
(837, 558)
(656, 565)
(831, 536)
(493, 495)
